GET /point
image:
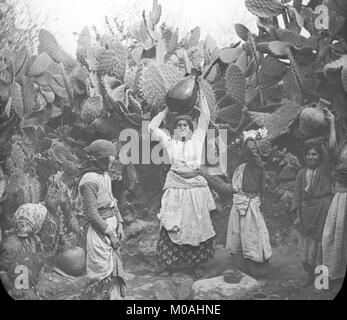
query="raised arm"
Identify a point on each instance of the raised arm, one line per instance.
(157, 133)
(332, 132)
(204, 119)
(332, 155)
(252, 153)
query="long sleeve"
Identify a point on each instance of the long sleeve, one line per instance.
(157, 133)
(297, 199)
(89, 193)
(204, 120)
(253, 154)
(119, 216)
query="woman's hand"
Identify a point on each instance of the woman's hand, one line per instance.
(115, 242)
(166, 110)
(328, 115)
(332, 135)
(16, 293)
(297, 220)
(120, 232)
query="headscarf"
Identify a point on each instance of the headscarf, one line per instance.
(101, 149)
(95, 153)
(253, 134)
(31, 213)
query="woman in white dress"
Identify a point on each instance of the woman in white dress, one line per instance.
(186, 231)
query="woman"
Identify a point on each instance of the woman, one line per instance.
(312, 199)
(247, 235)
(334, 235)
(186, 231)
(105, 233)
(21, 247)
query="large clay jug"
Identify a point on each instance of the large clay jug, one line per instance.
(182, 97)
(313, 122)
(73, 261)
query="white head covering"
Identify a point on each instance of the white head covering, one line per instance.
(253, 134)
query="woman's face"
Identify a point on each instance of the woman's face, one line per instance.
(111, 160)
(24, 229)
(312, 157)
(182, 129)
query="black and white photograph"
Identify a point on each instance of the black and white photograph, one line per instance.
(183, 151)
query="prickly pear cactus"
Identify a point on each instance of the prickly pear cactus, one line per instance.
(91, 109)
(242, 31)
(21, 164)
(49, 44)
(235, 84)
(152, 86)
(265, 8)
(108, 64)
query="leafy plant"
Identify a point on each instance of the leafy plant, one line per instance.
(119, 79)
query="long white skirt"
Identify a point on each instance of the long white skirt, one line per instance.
(335, 237)
(247, 232)
(100, 255)
(185, 213)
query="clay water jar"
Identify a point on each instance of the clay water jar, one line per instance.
(232, 276)
(182, 97)
(313, 122)
(73, 261)
(260, 296)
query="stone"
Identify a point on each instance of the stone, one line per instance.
(175, 288)
(163, 290)
(128, 276)
(217, 289)
(183, 284)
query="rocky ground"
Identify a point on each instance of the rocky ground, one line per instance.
(281, 283)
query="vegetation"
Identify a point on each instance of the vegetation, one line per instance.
(52, 105)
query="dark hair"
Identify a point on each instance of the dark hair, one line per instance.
(104, 162)
(183, 118)
(320, 149)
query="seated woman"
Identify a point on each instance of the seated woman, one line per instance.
(21, 247)
(186, 233)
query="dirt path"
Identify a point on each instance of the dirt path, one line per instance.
(282, 281)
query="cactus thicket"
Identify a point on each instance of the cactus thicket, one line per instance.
(121, 78)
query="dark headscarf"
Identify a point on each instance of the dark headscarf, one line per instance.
(96, 158)
(318, 145)
(100, 149)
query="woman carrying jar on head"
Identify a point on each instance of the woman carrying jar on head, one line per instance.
(186, 231)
